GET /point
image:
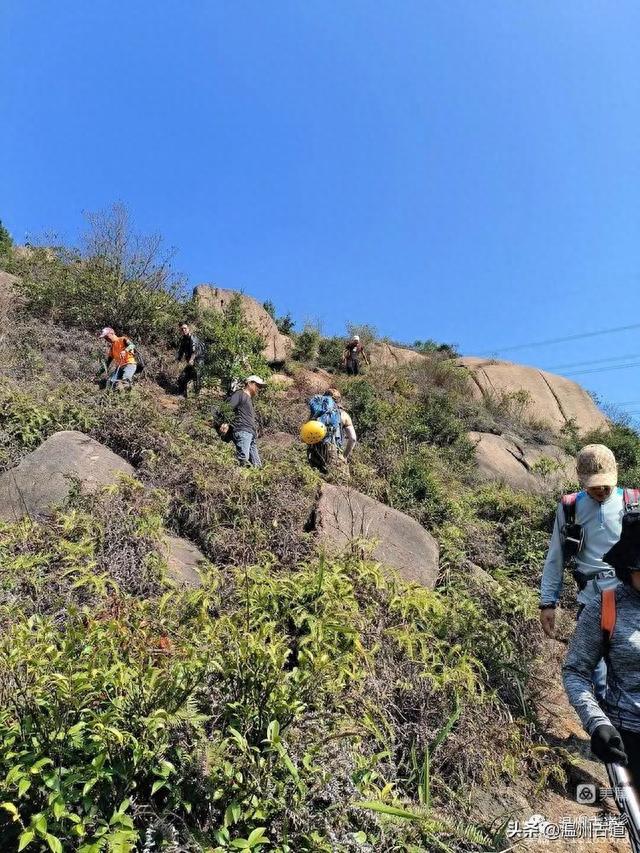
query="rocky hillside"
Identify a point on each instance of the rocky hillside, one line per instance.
(198, 657)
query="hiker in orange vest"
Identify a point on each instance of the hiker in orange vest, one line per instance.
(121, 361)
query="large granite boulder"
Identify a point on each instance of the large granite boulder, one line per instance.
(552, 399)
(277, 346)
(310, 382)
(382, 354)
(343, 516)
(183, 561)
(528, 467)
(44, 479)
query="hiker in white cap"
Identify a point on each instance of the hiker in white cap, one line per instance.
(243, 425)
(587, 525)
(350, 356)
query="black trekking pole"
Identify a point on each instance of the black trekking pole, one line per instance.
(626, 799)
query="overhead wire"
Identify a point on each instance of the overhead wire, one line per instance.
(593, 361)
(604, 369)
(549, 341)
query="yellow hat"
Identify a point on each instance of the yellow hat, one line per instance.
(312, 432)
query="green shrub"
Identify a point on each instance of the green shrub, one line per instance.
(6, 243)
(234, 348)
(285, 323)
(25, 421)
(306, 344)
(63, 287)
(330, 352)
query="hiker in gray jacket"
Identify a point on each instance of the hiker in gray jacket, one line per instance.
(597, 513)
(608, 628)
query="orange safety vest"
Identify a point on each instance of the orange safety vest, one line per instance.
(119, 354)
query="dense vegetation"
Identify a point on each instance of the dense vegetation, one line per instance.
(295, 702)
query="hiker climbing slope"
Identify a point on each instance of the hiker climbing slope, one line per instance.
(351, 356)
(587, 524)
(121, 364)
(608, 628)
(193, 350)
(349, 437)
(243, 425)
(323, 454)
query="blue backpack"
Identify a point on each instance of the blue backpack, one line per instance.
(323, 408)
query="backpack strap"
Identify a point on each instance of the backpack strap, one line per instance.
(607, 616)
(631, 498)
(569, 507)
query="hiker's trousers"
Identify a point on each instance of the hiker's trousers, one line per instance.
(246, 448)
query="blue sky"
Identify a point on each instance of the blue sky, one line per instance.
(465, 171)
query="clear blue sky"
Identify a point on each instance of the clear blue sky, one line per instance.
(466, 171)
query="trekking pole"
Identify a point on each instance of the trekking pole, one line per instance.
(626, 799)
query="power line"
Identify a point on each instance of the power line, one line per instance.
(593, 361)
(550, 341)
(605, 369)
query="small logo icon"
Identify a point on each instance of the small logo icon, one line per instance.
(586, 794)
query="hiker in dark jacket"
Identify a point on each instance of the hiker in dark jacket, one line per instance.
(191, 349)
(614, 722)
(243, 425)
(351, 356)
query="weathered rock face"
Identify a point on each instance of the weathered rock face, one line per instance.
(382, 354)
(343, 514)
(310, 382)
(509, 460)
(44, 477)
(277, 346)
(183, 560)
(552, 399)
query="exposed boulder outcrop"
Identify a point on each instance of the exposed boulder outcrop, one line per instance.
(530, 467)
(183, 560)
(44, 479)
(277, 346)
(552, 399)
(310, 382)
(343, 515)
(383, 354)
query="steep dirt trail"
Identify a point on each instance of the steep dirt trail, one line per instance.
(564, 732)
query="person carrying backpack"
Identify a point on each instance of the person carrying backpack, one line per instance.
(323, 408)
(193, 350)
(587, 524)
(351, 356)
(349, 437)
(121, 364)
(608, 628)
